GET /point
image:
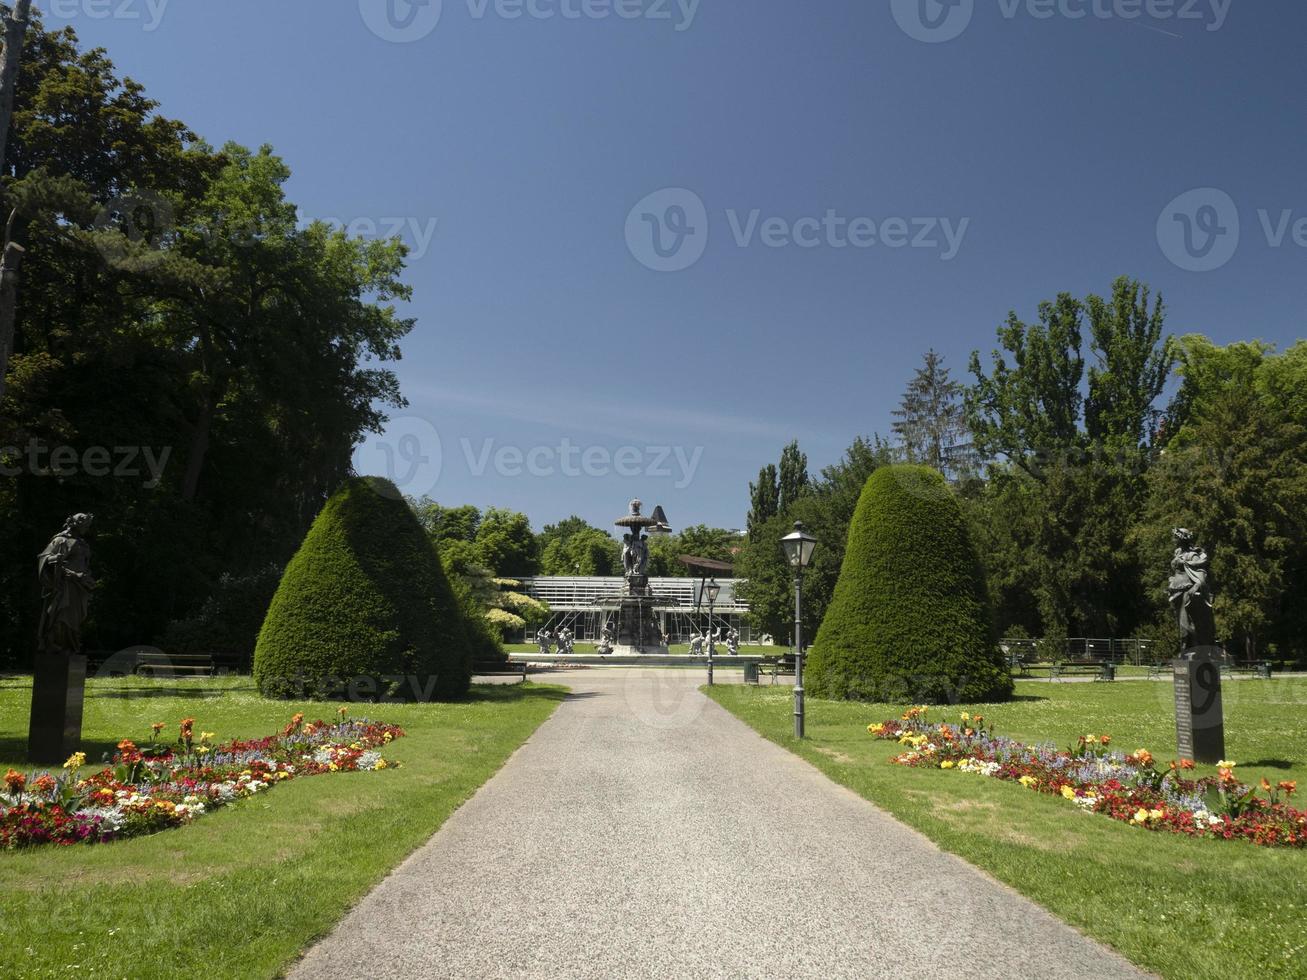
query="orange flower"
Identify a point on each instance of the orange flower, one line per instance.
(1288, 786)
(1266, 785)
(1186, 763)
(157, 727)
(187, 726)
(1106, 740)
(44, 783)
(1143, 757)
(16, 781)
(126, 746)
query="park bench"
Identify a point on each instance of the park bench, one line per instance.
(1255, 668)
(156, 663)
(1029, 667)
(1104, 669)
(776, 666)
(499, 668)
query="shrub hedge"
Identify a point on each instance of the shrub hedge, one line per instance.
(364, 609)
(910, 617)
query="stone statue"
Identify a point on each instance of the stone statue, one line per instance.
(635, 554)
(733, 642)
(565, 642)
(606, 640)
(545, 641)
(64, 570)
(696, 644)
(1190, 591)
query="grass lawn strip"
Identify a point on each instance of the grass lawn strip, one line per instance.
(242, 891)
(1182, 907)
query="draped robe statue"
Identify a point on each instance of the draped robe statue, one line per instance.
(64, 571)
(1190, 591)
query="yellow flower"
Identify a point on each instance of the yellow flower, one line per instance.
(1030, 782)
(1156, 814)
(877, 729)
(76, 761)
(205, 736)
(1226, 764)
(1140, 817)
(947, 764)
(1068, 793)
(381, 764)
(201, 750)
(966, 716)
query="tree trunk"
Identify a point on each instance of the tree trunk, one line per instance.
(15, 32)
(199, 447)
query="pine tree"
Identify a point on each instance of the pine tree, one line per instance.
(932, 424)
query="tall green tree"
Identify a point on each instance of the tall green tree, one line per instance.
(1083, 445)
(931, 424)
(170, 303)
(505, 542)
(1235, 472)
(764, 499)
(792, 480)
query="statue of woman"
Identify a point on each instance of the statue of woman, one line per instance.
(1190, 591)
(64, 571)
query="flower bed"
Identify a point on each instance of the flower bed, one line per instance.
(144, 790)
(1091, 775)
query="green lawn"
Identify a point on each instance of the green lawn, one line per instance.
(242, 890)
(1180, 907)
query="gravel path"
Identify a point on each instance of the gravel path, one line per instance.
(645, 832)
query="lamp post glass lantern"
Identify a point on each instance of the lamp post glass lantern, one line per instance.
(799, 546)
(711, 590)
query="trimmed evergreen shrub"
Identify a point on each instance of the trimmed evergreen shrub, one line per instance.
(910, 618)
(364, 610)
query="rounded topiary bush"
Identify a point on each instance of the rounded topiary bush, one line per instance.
(364, 610)
(910, 618)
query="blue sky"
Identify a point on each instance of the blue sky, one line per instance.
(651, 248)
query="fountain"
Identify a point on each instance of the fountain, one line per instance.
(637, 629)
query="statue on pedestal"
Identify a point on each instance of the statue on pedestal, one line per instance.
(545, 641)
(1190, 591)
(733, 642)
(64, 570)
(607, 637)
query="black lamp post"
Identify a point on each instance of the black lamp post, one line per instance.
(712, 589)
(799, 547)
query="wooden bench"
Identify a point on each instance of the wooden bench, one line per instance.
(1255, 668)
(160, 664)
(499, 668)
(1104, 669)
(776, 666)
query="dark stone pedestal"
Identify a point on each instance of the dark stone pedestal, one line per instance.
(1199, 717)
(58, 686)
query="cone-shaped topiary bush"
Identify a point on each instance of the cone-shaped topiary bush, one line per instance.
(910, 617)
(364, 609)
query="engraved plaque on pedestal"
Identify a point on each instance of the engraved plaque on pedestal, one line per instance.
(1199, 716)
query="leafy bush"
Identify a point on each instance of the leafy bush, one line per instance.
(364, 609)
(910, 617)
